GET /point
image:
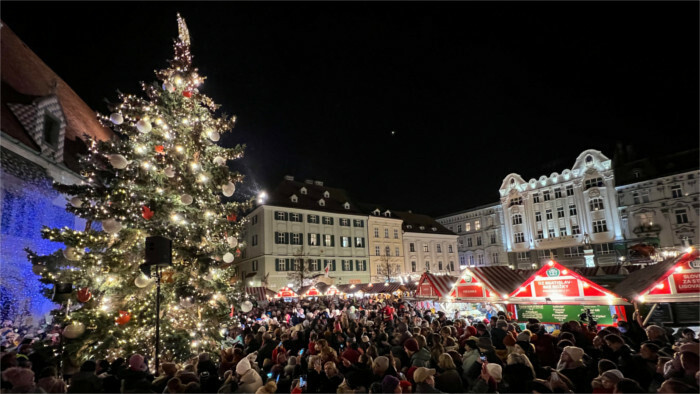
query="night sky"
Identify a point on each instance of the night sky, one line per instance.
(473, 91)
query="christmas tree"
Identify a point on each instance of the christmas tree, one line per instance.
(165, 176)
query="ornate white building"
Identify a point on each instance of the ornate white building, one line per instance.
(480, 232)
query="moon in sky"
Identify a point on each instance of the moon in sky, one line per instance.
(393, 132)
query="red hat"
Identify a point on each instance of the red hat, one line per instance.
(406, 386)
(471, 330)
(411, 344)
(409, 373)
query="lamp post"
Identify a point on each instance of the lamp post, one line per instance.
(158, 256)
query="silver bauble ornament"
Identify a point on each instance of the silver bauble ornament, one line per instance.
(169, 171)
(228, 257)
(214, 136)
(246, 306)
(143, 126)
(74, 330)
(117, 161)
(232, 241)
(76, 202)
(111, 226)
(219, 161)
(228, 189)
(186, 199)
(142, 281)
(116, 118)
(71, 253)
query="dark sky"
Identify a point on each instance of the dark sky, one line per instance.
(474, 90)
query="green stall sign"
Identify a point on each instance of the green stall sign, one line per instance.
(563, 313)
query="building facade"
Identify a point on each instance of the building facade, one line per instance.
(309, 222)
(386, 250)
(480, 235)
(428, 246)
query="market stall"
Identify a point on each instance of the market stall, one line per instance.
(286, 292)
(480, 292)
(435, 286)
(259, 293)
(555, 294)
(667, 292)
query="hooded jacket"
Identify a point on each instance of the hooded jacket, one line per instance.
(421, 358)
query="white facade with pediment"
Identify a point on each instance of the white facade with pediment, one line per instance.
(557, 212)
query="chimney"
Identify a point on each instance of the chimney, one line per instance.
(309, 182)
(288, 178)
(318, 183)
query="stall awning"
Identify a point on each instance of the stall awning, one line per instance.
(501, 279)
(556, 284)
(371, 288)
(258, 293)
(676, 279)
(435, 286)
(286, 292)
(469, 287)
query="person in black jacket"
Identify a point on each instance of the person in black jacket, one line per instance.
(266, 349)
(621, 354)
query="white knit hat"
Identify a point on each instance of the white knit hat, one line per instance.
(495, 370)
(576, 353)
(243, 366)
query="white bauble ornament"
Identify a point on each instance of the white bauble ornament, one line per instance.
(168, 87)
(144, 126)
(111, 226)
(169, 171)
(219, 161)
(228, 257)
(214, 136)
(76, 202)
(232, 241)
(116, 118)
(71, 253)
(142, 281)
(228, 189)
(74, 330)
(186, 199)
(117, 161)
(246, 306)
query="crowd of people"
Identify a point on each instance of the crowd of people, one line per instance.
(389, 346)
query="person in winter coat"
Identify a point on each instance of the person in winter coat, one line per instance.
(518, 374)
(448, 380)
(21, 379)
(571, 365)
(249, 381)
(266, 349)
(49, 381)
(330, 378)
(425, 380)
(621, 354)
(471, 354)
(605, 383)
(160, 383)
(86, 381)
(420, 356)
(490, 379)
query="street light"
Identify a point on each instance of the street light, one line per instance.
(159, 255)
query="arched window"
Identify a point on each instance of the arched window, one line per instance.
(596, 204)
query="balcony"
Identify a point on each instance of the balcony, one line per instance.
(646, 228)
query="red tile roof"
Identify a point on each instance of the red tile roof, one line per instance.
(501, 278)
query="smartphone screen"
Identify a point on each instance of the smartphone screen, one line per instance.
(302, 381)
(301, 352)
(269, 374)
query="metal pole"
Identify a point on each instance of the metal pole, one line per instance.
(157, 316)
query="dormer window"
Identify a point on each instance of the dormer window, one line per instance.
(322, 202)
(589, 160)
(409, 226)
(52, 130)
(303, 191)
(376, 212)
(422, 227)
(387, 213)
(346, 205)
(326, 194)
(294, 198)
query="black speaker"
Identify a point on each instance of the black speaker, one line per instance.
(62, 291)
(159, 251)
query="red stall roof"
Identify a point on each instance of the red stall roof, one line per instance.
(556, 284)
(470, 288)
(259, 293)
(435, 286)
(501, 279)
(286, 292)
(676, 279)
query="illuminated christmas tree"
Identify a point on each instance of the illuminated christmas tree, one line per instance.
(165, 176)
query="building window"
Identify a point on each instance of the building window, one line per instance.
(255, 240)
(596, 204)
(438, 248)
(575, 230)
(538, 216)
(572, 210)
(540, 234)
(255, 220)
(359, 242)
(347, 265)
(516, 201)
(451, 266)
(387, 251)
(361, 265)
(494, 258)
(478, 240)
(358, 223)
(344, 222)
(645, 195)
(439, 265)
(477, 225)
(279, 238)
(397, 252)
(412, 247)
(517, 219)
(599, 226)
(573, 251)
(459, 228)
(296, 217)
(606, 248)
(376, 232)
(546, 195)
(570, 190)
(377, 251)
(427, 265)
(280, 215)
(345, 242)
(635, 197)
(676, 191)
(386, 233)
(519, 238)
(449, 249)
(328, 240)
(480, 259)
(551, 233)
(296, 238)
(493, 238)
(523, 256)
(467, 227)
(536, 197)
(560, 212)
(681, 216)
(396, 233)
(562, 231)
(425, 248)
(312, 219)
(315, 265)
(549, 214)
(327, 220)
(471, 260)
(557, 192)
(313, 239)
(52, 130)
(255, 265)
(281, 265)
(469, 242)
(595, 182)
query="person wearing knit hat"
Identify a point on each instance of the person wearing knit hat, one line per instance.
(411, 345)
(495, 371)
(470, 331)
(390, 384)
(509, 340)
(136, 363)
(425, 380)
(524, 336)
(571, 365)
(249, 381)
(485, 343)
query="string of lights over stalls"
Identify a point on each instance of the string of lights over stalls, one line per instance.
(165, 176)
